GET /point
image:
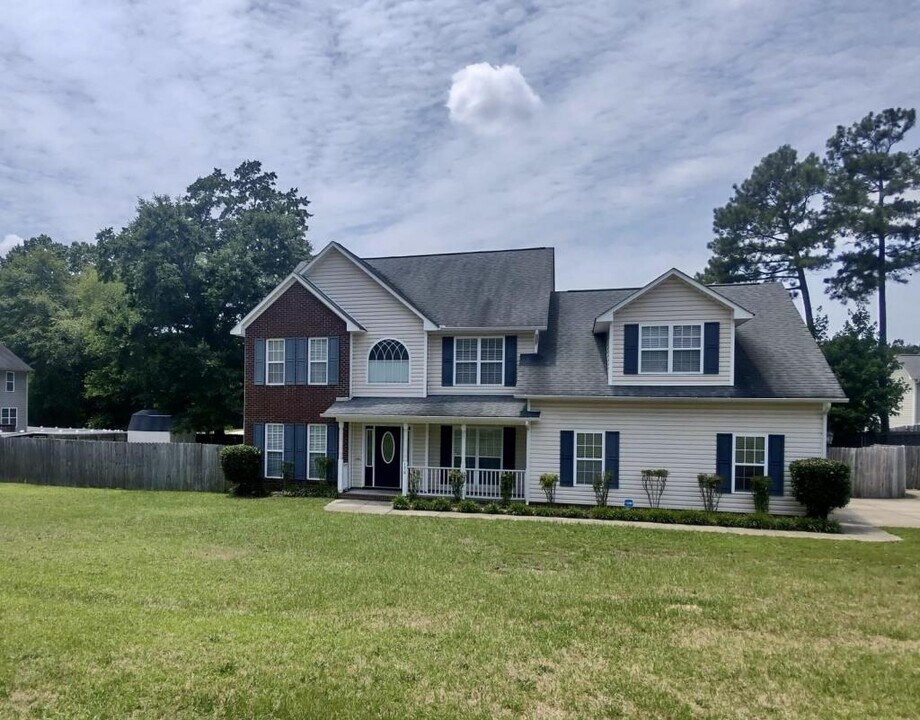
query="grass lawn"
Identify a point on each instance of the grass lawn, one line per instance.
(177, 605)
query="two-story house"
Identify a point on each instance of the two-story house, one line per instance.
(14, 391)
(402, 367)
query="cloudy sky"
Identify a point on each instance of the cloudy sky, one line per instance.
(607, 129)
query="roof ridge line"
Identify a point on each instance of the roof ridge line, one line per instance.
(462, 252)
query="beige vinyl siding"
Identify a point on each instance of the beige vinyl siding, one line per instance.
(673, 301)
(383, 315)
(524, 346)
(907, 412)
(680, 437)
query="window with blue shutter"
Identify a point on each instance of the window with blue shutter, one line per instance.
(258, 365)
(332, 450)
(631, 349)
(612, 458)
(332, 375)
(724, 446)
(511, 360)
(447, 362)
(566, 457)
(711, 348)
(300, 361)
(300, 451)
(447, 451)
(509, 447)
(290, 355)
(776, 462)
(288, 457)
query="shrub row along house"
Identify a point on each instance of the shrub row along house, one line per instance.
(399, 367)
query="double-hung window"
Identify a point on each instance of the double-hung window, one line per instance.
(10, 381)
(589, 457)
(274, 450)
(274, 362)
(750, 460)
(671, 349)
(483, 447)
(9, 416)
(319, 360)
(316, 447)
(479, 361)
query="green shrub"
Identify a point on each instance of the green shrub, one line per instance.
(415, 482)
(506, 487)
(310, 488)
(654, 482)
(401, 502)
(432, 504)
(710, 490)
(242, 466)
(820, 485)
(323, 466)
(548, 482)
(457, 479)
(760, 489)
(494, 509)
(468, 506)
(520, 508)
(601, 487)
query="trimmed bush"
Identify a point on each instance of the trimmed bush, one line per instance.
(654, 482)
(548, 482)
(468, 506)
(242, 466)
(601, 487)
(457, 479)
(415, 482)
(760, 489)
(401, 502)
(710, 490)
(820, 485)
(506, 487)
(310, 488)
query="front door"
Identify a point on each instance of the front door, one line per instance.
(387, 460)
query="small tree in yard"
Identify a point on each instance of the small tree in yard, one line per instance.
(654, 482)
(457, 479)
(323, 465)
(548, 482)
(415, 482)
(710, 490)
(601, 486)
(242, 466)
(506, 487)
(760, 489)
(820, 485)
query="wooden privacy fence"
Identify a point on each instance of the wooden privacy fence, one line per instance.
(912, 463)
(879, 471)
(103, 464)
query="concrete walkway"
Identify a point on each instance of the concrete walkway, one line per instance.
(902, 512)
(860, 532)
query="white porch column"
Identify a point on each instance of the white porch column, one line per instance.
(527, 463)
(341, 469)
(405, 459)
(463, 454)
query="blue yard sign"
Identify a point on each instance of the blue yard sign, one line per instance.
(628, 503)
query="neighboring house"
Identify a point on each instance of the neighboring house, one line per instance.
(153, 426)
(908, 413)
(14, 392)
(402, 367)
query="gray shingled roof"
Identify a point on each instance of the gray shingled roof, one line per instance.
(775, 355)
(911, 365)
(484, 406)
(10, 361)
(496, 288)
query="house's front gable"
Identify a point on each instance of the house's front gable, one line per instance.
(908, 412)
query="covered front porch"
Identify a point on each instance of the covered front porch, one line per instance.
(386, 444)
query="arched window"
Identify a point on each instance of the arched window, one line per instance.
(388, 362)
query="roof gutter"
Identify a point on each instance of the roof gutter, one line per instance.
(676, 398)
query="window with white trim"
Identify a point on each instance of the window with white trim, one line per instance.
(316, 447)
(750, 460)
(10, 381)
(368, 447)
(479, 361)
(9, 416)
(319, 360)
(274, 362)
(670, 349)
(274, 450)
(388, 362)
(589, 457)
(483, 447)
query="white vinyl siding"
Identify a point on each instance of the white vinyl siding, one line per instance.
(319, 360)
(383, 316)
(274, 362)
(274, 450)
(316, 447)
(525, 343)
(907, 412)
(678, 436)
(673, 302)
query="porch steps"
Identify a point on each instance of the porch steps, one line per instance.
(371, 494)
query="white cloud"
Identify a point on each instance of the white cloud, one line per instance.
(491, 99)
(8, 243)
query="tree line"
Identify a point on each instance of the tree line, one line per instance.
(141, 318)
(854, 213)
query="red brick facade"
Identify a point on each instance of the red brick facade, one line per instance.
(296, 313)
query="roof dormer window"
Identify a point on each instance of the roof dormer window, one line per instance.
(670, 349)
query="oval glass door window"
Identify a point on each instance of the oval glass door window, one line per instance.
(388, 447)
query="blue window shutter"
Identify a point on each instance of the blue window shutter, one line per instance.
(332, 371)
(288, 456)
(258, 436)
(300, 451)
(290, 355)
(511, 360)
(612, 458)
(332, 449)
(447, 361)
(566, 457)
(711, 348)
(300, 361)
(776, 462)
(631, 349)
(447, 450)
(724, 460)
(258, 366)
(509, 447)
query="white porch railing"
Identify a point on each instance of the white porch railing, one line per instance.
(480, 484)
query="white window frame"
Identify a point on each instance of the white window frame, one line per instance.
(268, 451)
(575, 458)
(12, 414)
(472, 443)
(670, 349)
(268, 363)
(408, 379)
(10, 381)
(766, 456)
(310, 452)
(479, 361)
(310, 361)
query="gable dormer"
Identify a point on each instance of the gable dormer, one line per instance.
(673, 331)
